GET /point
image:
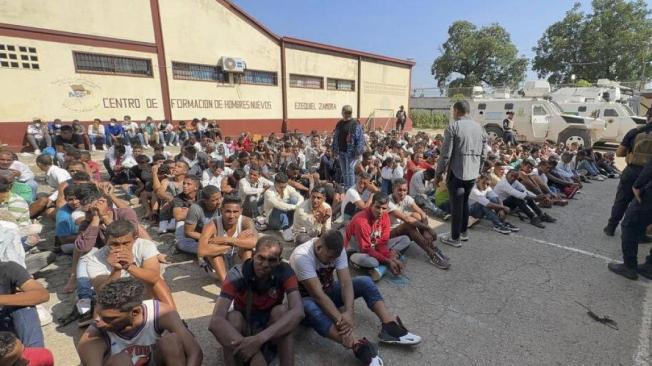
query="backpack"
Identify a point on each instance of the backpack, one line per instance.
(641, 152)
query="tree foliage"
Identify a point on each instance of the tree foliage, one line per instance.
(473, 56)
(612, 42)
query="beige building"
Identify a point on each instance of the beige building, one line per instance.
(178, 60)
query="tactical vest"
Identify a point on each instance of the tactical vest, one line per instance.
(641, 152)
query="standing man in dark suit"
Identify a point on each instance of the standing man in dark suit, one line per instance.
(462, 155)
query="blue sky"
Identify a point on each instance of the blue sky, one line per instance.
(408, 29)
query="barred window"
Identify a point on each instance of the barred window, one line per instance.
(107, 64)
(305, 81)
(259, 77)
(186, 71)
(341, 84)
(18, 57)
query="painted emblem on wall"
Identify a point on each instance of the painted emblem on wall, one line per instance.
(79, 95)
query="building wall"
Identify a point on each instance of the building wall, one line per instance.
(192, 31)
(384, 88)
(123, 19)
(201, 32)
(309, 109)
(55, 90)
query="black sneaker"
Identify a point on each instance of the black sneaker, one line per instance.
(511, 227)
(621, 269)
(537, 222)
(609, 230)
(502, 229)
(546, 218)
(438, 259)
(367, 353)
(645, 270)
(395, 333)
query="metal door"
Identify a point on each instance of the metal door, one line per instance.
(540, 121)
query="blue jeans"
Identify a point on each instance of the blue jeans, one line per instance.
(363, 287)
(84, 286)
(478, 211)
(386, 186)
(347, 166)
(281, 220)
(23, 322)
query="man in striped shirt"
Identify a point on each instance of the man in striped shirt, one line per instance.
(13, 203)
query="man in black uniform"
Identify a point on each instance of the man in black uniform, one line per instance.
(508, 129)
(636, 147)
(637, 217)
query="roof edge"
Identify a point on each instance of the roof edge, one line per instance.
(347, 51)
(230, 5)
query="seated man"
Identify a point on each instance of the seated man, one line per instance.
(225, 234)
(358, 197)
(368, 236)
(67, 138)
(14, 353)
(512, 193)
(126, 255)
(533, 183)
(421, 189)
(328, 304)
(312, 217)
(21, 172)
(279, 205)
(133, 331)
(38, 136)
(182, 202)
(19, 294)
(407, 218)
(199, 214)
(484, 203)
(246, 331)
(556, 183)
(251, 189)
(66, 225)
(54, 177)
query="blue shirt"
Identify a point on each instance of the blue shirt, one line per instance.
(115, 130)
(65, 225)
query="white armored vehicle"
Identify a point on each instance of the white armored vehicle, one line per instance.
(536, 119)
(607, 101)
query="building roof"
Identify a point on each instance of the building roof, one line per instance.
(300, 42)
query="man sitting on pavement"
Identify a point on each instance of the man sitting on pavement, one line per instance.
(279, 205)
(133, 331)
(259, 317)
(512, 193)
(358, 197)
(251, 189)
(226, 234)
(199, 214)
(407, 218)
(328, 304)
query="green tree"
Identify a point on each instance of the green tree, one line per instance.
(473, 56)
(611, 42)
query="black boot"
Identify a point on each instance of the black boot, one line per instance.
(623, 270)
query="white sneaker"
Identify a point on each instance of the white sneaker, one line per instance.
(37, 152)
(83, 306)
(103, 147)
(44, 315)
(93, 148)
(287, 234)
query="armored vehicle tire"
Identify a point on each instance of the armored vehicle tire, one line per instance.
(570, 135)
(494, 132)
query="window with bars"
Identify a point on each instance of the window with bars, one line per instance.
(107, 64)
(305, 81)
(186, 71)
(18, 57)
(341, 84)
(259, 77)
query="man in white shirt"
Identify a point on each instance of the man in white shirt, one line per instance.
(279, 205)
(484, 203)
(38, 136)
(214, 175)
(358, 197)
(514, 195)
(54, 176)
(328, 304)
(21, 172)
(420, 189)
(132, 132)
(251, 189)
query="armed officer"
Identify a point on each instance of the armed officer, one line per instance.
(636, 147)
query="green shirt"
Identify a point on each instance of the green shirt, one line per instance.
(18, 208)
